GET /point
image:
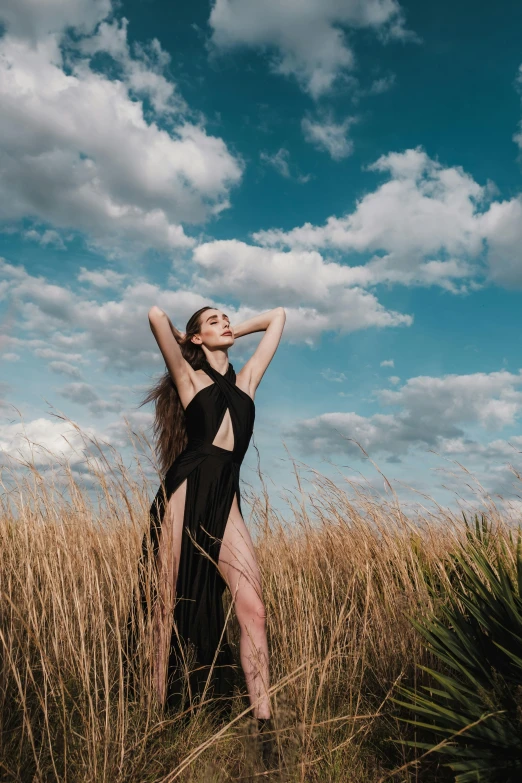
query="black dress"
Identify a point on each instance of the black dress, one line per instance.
(212, 475)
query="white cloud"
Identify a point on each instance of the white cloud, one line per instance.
(422, 208)
(388, 363)
(82, 393)
(65, 368)
(280, 161)
(50, 353)
(433, 414)
(330, 136)
(491, 399)
(492, 450)
(85, 394)
(255, 272)
(48, 238)
(42, 441)
(333, 375)
(60, 323)
(378, 86)
(36, 19)
(101, 278)
(143, 73)
(307, 41)
(426, 225)
(118, 431)
(502, 227)
(317, 296)
(10, 357)
(77, 150)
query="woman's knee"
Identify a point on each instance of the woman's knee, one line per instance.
(251, 611)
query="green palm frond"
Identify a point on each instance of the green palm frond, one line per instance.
(475, 702)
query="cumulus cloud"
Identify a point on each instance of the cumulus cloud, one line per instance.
(306, 42)
(85, 394)
(65, 368)
(329, 136)
(101, 278)
(36, 19)
(317, 295)
(490, 399)
(433, 414)
(280, 161)
(138, 420)
(502, 227)
(426, 225)
(47, 238)
(77, 148)
(50, 353)
(421, 210)
(378, 86)
(142, 70)
(63, 325)
(498, 448)
(333, 375)
(43, 441)
(82, 393)
(60, 322)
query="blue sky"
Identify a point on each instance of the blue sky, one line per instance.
(357, 163)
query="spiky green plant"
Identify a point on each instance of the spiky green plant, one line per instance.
(471, 712)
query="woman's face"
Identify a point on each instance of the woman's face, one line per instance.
(214, 330)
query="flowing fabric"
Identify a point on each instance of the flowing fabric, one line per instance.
(212, 475)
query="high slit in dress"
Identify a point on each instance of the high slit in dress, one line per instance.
(212, 475)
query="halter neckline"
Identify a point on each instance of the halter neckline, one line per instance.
(229, 369)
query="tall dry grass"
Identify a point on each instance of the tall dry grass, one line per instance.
(342, 571)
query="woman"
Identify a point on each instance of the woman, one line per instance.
(203, 425)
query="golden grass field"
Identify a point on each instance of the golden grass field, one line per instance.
(342, 572)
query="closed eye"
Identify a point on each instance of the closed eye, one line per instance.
(213, 319)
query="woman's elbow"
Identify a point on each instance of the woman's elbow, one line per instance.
(155, 312)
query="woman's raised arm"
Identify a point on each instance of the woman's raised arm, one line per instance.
(272, 323)
(167, 337)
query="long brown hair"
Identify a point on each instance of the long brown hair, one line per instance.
(170, 434)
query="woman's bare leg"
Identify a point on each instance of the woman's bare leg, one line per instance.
(238, 567)
(169, 550)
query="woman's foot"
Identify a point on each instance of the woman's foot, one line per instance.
(267, 743)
